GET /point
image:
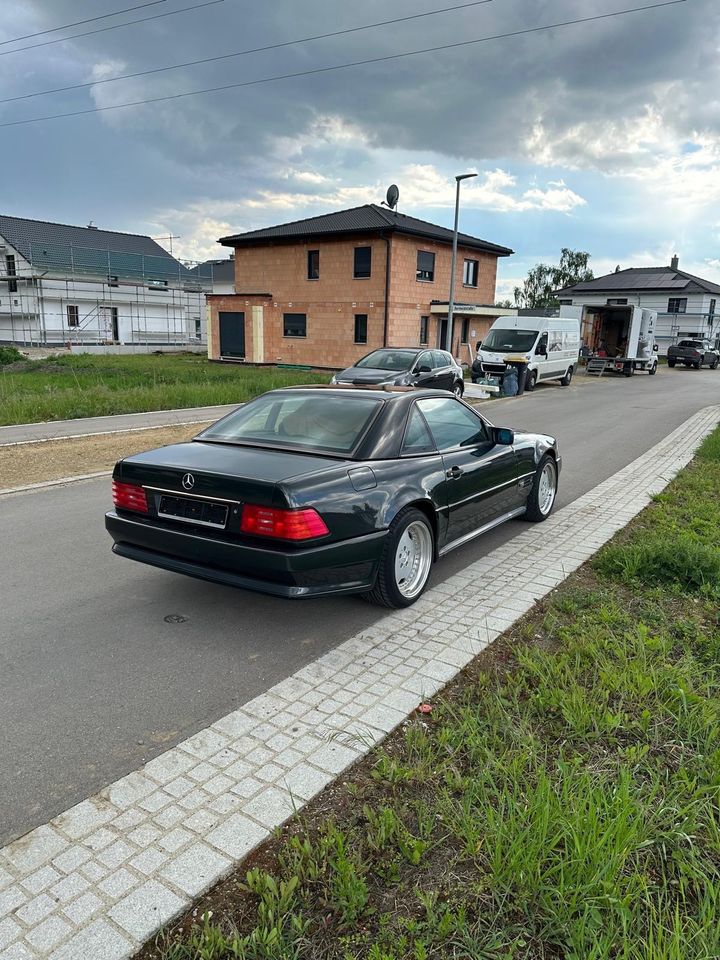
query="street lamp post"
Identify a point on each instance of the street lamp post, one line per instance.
(451, 298)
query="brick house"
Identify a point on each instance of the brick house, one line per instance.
(326, 290)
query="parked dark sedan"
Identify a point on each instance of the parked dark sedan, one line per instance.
(310, 491)
(406, 367)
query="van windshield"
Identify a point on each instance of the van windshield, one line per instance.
(508, 341)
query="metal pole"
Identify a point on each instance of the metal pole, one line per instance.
(451, 298)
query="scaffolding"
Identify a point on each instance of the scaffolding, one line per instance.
(63, 293)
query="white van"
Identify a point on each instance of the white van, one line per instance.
(551, 345)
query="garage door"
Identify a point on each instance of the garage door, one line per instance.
(232, 334)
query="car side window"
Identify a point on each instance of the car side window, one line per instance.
(417, 436)
(440, 359)
(452, 424)
(424, 360)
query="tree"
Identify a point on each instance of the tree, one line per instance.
(543, 279)
(505, 304)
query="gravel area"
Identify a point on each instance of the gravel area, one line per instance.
(28, 463)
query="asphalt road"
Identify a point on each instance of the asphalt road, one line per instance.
(94, 681)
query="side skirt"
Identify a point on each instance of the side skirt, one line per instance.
(518, 511)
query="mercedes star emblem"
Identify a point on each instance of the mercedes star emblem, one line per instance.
(188, 481)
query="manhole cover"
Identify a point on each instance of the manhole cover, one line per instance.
(175, 618)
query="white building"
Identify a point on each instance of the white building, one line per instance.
(62, 284)
(685, 304)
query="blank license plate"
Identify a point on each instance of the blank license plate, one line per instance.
(194, 511)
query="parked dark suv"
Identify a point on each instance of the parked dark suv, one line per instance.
(407, 367)
(693, 353)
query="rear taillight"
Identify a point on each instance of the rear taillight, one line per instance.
(129, 496)
(282, 524)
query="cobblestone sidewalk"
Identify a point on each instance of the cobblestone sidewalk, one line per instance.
(101, 878)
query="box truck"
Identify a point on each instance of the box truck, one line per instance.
(619, 338)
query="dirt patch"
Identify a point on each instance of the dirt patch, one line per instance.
(37, 462)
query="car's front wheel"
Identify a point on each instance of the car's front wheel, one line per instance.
(671, 361)
(458, 389)
(406, 561)
(531, 381)
(565, 382)
(653, 369)
(543, 491)
(714, 364)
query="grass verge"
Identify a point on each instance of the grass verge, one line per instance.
(560, 800)
(82, 385)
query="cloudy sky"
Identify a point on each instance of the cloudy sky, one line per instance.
(602, 136)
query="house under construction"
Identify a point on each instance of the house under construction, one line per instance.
(62, 284)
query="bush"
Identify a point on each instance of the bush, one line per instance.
(683, 560)
(10, 355)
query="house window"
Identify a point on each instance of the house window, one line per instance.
(11, 272)
(425, 266)
(566, 303)
(424, 323)
(73, 315)
(616, 303)
(677, 305)
(294, 325)
(313, 266)
(113, 282)
(711, 312)
(363, 263)
(465, 330)
(360, 328)
(470, 274)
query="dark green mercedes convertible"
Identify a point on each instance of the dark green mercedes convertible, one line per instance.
(314, 490)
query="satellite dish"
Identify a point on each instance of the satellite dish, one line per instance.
(392, 196)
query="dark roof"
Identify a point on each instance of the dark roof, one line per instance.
(22, 234)
(370, 219)
(643, 278)
(222, 271)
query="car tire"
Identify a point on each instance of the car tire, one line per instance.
(671, 361)
(698, 365)
(714, 364)
(543, 492)
(458, 389)
(531, 381)
(406, 561)
(565, 382)
(653, 370)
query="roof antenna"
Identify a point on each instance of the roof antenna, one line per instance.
(391, 198)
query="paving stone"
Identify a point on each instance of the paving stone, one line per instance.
(34, 849)
(84, 818)
(72, 858)
(155, 801)
(175, 839)
(119, 883)
(130, 790)
(237, 836)
(169, 816)
(179, 787)
(248, 787)
(93, 871)
(9, 931)
(168, 766)
(19, 951)
(149, 861)
(100, 839)
(82, 909)
(116, 854)
(201, 821)
(48, 934)
(304, 781)
(145, 835)
(41, 879)
(36, 910)
(99, 941)
(270, 807)
(11, 899)
(196, 868)
(70, 887)
(219, 784)
(205, 743)
(333, 757)
(225, 803)
(129, 819)
(141, 912)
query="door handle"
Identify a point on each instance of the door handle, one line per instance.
(453, 473)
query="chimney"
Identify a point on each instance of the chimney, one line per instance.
(674, 262)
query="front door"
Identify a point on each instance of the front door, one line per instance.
(232, 334)
(481, 477)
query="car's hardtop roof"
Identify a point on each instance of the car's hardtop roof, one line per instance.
(385, 393)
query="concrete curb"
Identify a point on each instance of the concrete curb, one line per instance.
(103, 433)
(100, 879)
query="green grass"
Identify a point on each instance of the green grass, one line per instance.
(560, 801)
(63, 388)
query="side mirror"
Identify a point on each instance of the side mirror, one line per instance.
(424, 369)
(503, 436)
(541, 350)
(656, 348)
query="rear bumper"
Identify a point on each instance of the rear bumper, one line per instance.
(346, 567)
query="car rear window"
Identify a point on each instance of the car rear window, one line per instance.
(697, 344)
(322, 421)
